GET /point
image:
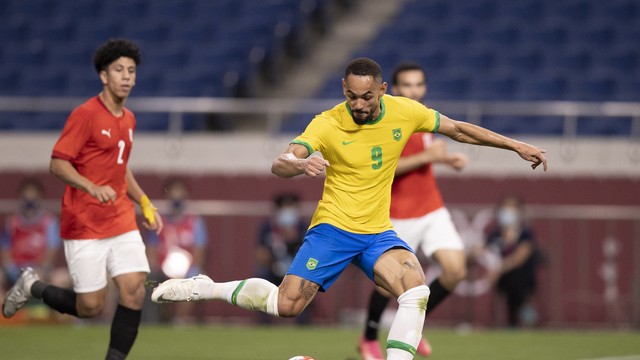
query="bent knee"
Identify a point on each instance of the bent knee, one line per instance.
(289, 309)
(88, 309)
(133, 298)
(452, 276)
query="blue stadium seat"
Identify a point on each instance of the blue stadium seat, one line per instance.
(35, 9)
(151, 121)
(593, 126)
(576, 63)
(626, 12)
(628, 89)
(524, 11)
(495, 88)
(61, 31)
(452, 37)
(10, 81)
(44, 83)
(601, 37)
(481, 62)
(502, 36)
(154, 31)
(431, 12)
(86, 83)
(85, 9)
(14, 30)
(549, 36)
(130, 9)
(625, 63)
(32, 54)
(529, 61)
(521, 125)
(455, 87)
(600, 89)
(542, 88)
(170, 10)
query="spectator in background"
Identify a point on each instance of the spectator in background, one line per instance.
(180, 249)
(31, 236)
(280, 238)
(513, 241)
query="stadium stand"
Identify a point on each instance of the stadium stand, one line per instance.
(579, 50)
(188, 46)
(584, 50)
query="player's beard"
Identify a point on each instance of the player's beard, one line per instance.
(362, 121)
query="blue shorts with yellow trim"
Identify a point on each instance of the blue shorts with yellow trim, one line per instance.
(327, 250)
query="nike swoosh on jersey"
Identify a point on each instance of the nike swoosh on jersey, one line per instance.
(348, 142)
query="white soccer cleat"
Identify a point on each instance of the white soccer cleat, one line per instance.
(178, 290)
(19, 293)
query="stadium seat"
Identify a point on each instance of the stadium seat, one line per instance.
(628, 89)
(495, 88)
(600, 89)
(542, 88)
(593, 126)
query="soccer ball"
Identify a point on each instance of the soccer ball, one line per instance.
(302, 357)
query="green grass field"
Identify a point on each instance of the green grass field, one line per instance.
(281, 343)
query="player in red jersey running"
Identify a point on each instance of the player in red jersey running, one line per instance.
(418, 213)
(98, 222)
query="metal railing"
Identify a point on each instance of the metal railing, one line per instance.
(276, 110)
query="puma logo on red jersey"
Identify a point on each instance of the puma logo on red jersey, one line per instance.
(107, 133)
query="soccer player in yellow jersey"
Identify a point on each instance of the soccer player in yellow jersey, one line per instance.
(360, 141)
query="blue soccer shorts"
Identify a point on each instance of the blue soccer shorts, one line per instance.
(327, 250)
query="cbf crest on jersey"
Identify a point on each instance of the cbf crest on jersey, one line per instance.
(397, 134)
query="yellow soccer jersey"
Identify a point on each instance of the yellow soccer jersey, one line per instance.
(363, 160)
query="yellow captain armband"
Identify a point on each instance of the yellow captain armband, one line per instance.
(148, 210)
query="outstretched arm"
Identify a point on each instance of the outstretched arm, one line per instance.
(472, 134)
(296, 161)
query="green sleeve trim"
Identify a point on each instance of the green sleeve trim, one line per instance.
(435, 129)
(300, 142)
(234, 296)
(395, 344)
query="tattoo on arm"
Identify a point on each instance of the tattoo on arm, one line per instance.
(308, 289)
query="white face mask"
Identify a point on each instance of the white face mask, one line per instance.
(287, 217)
(508, 217)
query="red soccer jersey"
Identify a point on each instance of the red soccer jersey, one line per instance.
(415, 193)
(29, 240)
(98, 145)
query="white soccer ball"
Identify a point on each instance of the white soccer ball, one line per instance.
(302, 357)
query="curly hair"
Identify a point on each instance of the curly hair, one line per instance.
(112, 50)
(364, 67)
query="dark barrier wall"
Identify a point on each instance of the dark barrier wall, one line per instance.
(580, 283)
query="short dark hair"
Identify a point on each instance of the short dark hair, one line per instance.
(175, 182)
(112, 50)
(286, 199)
(31, 183)
(363, 67)
(409, 66)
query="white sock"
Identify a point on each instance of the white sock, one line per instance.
(251, 294)
(406, 329)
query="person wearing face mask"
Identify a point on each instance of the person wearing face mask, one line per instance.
(512, 239)
(180, 249)
(280, 237)
(31, 238)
